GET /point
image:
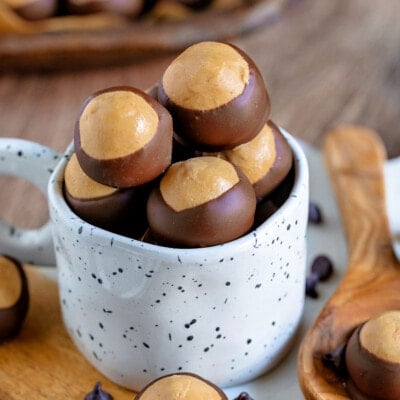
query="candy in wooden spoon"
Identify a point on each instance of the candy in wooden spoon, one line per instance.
(355, 158)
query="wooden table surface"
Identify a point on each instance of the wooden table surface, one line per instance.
(324, 62)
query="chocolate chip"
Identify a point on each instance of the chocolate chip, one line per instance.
(98, 393)
(323, 267)
(336, 360)
(243, 396)
(314, 213)
(311, 285)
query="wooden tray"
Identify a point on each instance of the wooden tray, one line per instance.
(119, 43)
(42, 362)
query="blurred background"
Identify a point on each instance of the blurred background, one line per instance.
(325, 63)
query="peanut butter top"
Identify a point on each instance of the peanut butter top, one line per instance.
(10, 286)
(381, 336)
(205, 76)
(196, 181)
(81, 186)
(180, 387)
(254, 158)
(116, 124)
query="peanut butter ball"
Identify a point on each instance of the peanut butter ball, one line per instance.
(216, 95)
(265, 160)
(123, 137)
(129, 8)
(181, 386)
(33, 10)
(14, 297)
(373, 358)
(200, 202)
(101, 205)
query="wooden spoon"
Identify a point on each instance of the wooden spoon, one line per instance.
(355, 157)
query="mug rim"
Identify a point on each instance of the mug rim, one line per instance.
(56, 200)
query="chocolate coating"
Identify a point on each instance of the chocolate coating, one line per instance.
(109, 212)
(217, 221)
(279, 169)
(13, 316)
(101, 205)
(33, 10)
(274, 162)
(229, 125)
(137, 168)
(371, 377)
(215, 391)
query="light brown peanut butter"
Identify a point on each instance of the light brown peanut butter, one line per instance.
(10, 287)
(116, 124)
(196, 181)
(180, 387)
(205, 76)
(81, 186)
(254, 158)
(381, 336)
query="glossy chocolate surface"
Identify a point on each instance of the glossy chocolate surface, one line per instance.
(280, 168)
(370, 376)
(12, 318)
(139, 167)
(227, 126)
(122, 208)
(217, 221)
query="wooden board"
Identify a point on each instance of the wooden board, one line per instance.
(42, 362)
(112, 41)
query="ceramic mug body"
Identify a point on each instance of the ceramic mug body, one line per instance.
(138, 311)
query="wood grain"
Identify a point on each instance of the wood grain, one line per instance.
(355, 158)
(42, 362)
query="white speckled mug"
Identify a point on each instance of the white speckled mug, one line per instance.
(138, 311)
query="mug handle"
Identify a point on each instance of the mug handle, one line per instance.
(34, 163)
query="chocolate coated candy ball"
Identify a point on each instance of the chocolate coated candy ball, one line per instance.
(266, 160)
(216, 96)
(182, 386)
(101, 205)
(130, 8)
(14, 297)
(123, 137)
(201, 202)
(33, 9)
(373, 358)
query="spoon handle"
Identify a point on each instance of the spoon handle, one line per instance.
(355, 158)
